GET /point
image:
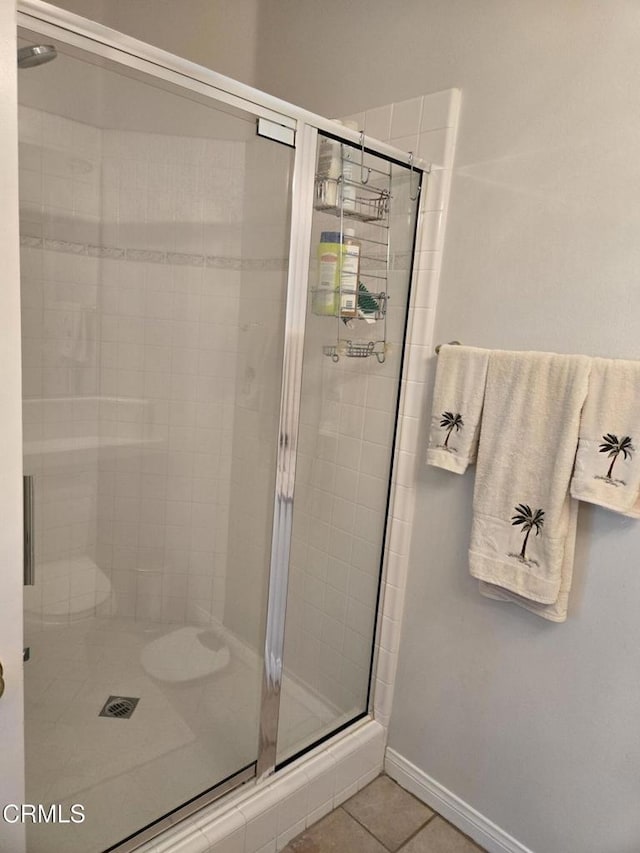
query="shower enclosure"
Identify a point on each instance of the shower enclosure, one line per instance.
(188, 626)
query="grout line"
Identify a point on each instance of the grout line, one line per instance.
(464, 835)
(419, 830)
(409, 838)
(366, 828)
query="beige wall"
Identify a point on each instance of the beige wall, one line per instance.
(533, 725)
(219, 34)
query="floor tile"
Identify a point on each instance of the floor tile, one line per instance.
(388, 812)
(338, 832)
(438, 836)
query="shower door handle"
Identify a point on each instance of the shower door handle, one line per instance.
(1, 682)
(29, 531)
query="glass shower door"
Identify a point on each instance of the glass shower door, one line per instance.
(154, 235)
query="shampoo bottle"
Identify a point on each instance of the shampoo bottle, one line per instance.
(350, 274)
(325, 297)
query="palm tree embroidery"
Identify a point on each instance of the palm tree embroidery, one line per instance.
(614, 448)
(448, 421)
(528, 519)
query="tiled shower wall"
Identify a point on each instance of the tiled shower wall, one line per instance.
(131, 268)
(169, 317)
(432, 127)
(153, 353)
(59, 208)
(427, 125)
(347, 424)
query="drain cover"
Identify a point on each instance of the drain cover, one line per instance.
(121, 707)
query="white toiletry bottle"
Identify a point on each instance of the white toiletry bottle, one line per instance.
(350, 274)
(329, 171)
(348, 187)
(324, 299)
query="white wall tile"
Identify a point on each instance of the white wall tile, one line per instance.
(405, 118)
(261, 816)
(432, 146)
(438, 111)
(377, 123)
(408, 143)
(227, 833)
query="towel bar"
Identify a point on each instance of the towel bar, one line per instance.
(450, 343)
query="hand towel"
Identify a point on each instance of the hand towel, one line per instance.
(523, 529)
(457, 407)
(607, 469)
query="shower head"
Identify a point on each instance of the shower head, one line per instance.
(36, 54)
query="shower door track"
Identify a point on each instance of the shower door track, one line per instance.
(93, 38)
(133, 842)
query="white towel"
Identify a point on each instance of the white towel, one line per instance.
(607, 469)
(523, 530)
(457, 407)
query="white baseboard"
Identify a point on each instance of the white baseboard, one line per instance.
(451, 807)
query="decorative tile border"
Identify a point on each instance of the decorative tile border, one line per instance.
(154, 256)
(106, 252)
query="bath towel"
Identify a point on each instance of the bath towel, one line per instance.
(607, 469)
(556, 612)
(523, 530)
(457, 407)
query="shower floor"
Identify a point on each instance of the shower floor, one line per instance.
(181, 739)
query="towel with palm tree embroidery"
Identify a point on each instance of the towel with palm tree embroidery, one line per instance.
(556, 612)
(607, 468)
(523, 530)
(457, 407)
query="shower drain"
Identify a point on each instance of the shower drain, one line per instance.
(121, 707)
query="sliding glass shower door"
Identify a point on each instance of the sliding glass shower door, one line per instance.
(154, 234)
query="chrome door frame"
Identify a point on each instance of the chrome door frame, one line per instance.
(291, 389)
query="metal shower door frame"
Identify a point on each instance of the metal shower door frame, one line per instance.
(91, 37)
(291, 389)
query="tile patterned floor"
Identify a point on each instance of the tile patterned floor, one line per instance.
(382, 818)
